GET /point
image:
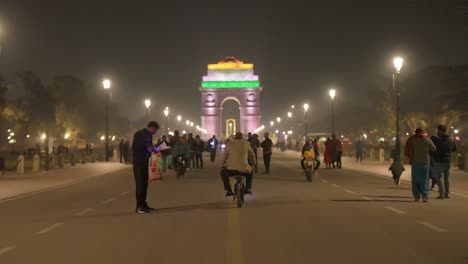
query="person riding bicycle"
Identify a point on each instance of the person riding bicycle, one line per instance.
(238, 159)
(307, 152)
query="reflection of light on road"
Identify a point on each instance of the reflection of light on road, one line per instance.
(234, 243)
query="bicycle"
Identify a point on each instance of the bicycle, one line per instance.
(180, 166)
(239, 190)
(310, 169)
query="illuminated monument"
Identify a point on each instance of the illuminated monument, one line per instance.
(230, 79)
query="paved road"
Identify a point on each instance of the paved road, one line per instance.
(341, 217)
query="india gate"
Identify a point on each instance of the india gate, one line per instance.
(230, 79)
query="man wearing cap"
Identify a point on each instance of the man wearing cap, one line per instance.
(142, 148)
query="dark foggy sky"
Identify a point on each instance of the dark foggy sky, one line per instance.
(150, 50)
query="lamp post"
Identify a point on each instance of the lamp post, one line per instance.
(397, 166)
(272, 123)
(306, 107)
(289, 120)
(147, 104)
(179, 118)
(332, 94)
(166, 113)
(107, 84)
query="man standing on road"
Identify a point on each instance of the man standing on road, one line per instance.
(267, 145)
(121, 149)
(142, 148)
(442, 158)
(212, 147)
(417, 149)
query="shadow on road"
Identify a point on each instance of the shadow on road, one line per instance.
(278, 179)
(380, 200)
(390, 196)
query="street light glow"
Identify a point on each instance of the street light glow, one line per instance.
(332, 93)
(456, 131)
(148, 103)
(43, 136)
(398, 63)
(66, 136)
(187, 122)
(292, 106)
(106, 84)
(272, 123)
(179, 118)
(278, 119)
(102, 138)
(166, 111)
(289, 114)
(306, 107)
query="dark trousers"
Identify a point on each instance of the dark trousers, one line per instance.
(121, 156)
(256, 162)
(191, 161)
(266, 161)
(140, 172)
(125, 157)
(338, 159)
(199, 160)
(225, 174)
(212, 155)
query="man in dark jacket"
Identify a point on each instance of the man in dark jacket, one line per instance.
(442, 158)
(121, 149)
(142, 147)
(212, 146)
(267, 145)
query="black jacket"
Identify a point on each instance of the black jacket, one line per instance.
(142, 146)
(444, 148)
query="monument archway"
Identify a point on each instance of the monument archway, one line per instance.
(230, 79)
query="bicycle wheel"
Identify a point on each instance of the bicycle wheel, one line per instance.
(239, 195)
(308, 175)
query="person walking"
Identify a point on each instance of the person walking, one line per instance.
(254, 144)
(339, 154)
(121, 149)
(327, 159)
(126, 151)
(417, 150)
(142, 148)
(267, 145)
(359, 150)
(212, 147)
(193, 148)
(442, 159)
(200, 148)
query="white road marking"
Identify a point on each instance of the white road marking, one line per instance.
(433, 227)
(325, 181)
(397, 211)
(366, 198)
(460, 194)
(123, 193)
(50, 228)
(349, 191)
(7, 249)
(108, 201)
(336, 185)
(87, 210)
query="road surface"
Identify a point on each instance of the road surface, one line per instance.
(341, 217)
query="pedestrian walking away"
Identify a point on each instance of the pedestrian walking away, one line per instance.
(442, 159)
(121, 149)
(267, 146)
(142, 147)
(254, 144)
(417, 150)
(212, 146)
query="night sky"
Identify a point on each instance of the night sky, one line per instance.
(299, 51)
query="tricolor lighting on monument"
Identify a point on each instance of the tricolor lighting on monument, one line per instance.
(230, 73)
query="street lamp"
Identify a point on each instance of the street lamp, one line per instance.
(278, 119)
(187, 122)
(306, 107)
(397, 166)
(107, 85)
(292, 106)
(332, 94)
(179, 118)
(166, 113)
(289, 120)
(272, 123)
(147, 104)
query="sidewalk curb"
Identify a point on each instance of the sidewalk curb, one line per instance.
(57, 186)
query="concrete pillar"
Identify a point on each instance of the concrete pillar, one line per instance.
(20, 165)
(36, 163)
